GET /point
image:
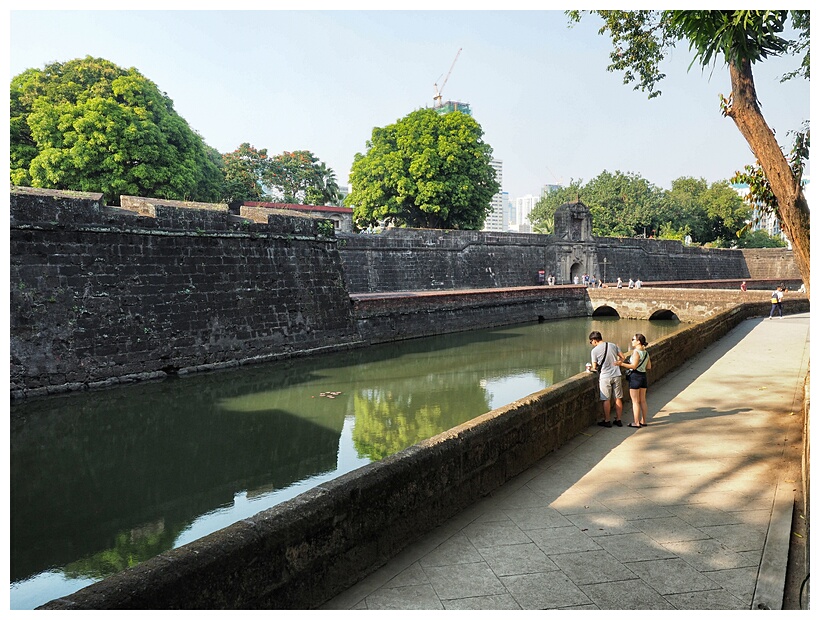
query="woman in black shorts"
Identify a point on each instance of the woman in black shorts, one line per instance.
(639, 363)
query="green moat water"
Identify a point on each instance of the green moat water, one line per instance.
(101, 481)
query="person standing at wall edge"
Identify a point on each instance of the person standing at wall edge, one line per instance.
(777, 302)
(638, 364)
(604, 357)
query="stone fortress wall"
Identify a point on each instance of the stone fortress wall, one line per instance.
(102, 295)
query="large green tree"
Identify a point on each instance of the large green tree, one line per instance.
(243, 169)
(641, 39)
(299, 177)
(427, 170)
(621, 205)
(708, 213)
(89, 125)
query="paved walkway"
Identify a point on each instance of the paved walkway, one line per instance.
(691, 512)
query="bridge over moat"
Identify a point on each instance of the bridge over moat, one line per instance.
(688, 305)
(385, 317)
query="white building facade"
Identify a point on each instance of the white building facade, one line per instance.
(495, 220)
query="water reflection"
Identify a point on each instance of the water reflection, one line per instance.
(104, 480)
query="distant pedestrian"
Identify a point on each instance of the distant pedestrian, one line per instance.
(638, 283)
(585, 280)
(802, 288)
(551, 280)
(636, 376)
(631, 283)
(604, 357)
(575, 280)
(777, 302)
(620, 283)
(743, 286)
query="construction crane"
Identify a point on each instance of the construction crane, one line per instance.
(437, 98)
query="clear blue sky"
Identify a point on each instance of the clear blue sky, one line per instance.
(322, 80)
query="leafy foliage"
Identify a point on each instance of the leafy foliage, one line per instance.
(641, 40)
(759, 239)
(243, 169)
(627, 205)
(89, 125)
(300, 178)
(427, 170)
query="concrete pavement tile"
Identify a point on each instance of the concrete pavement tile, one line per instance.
(545, 591)
(610, 490)
(740, 582)
(456, 550)
(750, 517)
(710, 555)
(411, 576)
(728, 501)
(672, 576)
(360, 606)
(409, 597)
(636, 508)
(498, 601)
(668, 529)
(591, 567)
(602, 523)
(631, 594)
(492, 534)
(698, 515)
(562, 540)
(537, 518)
(523, 497)
(633, 547)
(464, 580)
(708, 599)
(738, 537)
(496, 513)
(571, 503)
(517, 559)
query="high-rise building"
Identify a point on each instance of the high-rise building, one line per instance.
(452, 106)
(523, 207)
(495, 220)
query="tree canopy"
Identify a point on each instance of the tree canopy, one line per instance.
(641, 39)
(299, 177)
(427, 170)
(243, 169)
(89, 125)
(627, 205)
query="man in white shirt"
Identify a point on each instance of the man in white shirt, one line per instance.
(604, 355)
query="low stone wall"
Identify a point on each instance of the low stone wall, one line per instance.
(386, 318)
(305, 551)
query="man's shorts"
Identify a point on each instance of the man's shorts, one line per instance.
(609, 384)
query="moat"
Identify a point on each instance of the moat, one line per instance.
(103, 480)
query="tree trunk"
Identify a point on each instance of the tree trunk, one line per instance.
(792, 208)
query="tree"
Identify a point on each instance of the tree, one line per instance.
(624, 205)
(759, 239)
(621, 205)
(325, 191)
(243, 170)
(641, 40)
(89, 125)
(300, 178)
(710, 214)
(426, 170)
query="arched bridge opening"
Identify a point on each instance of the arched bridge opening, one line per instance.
(605, 311)
(664, 315)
